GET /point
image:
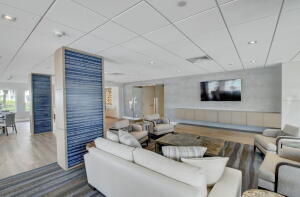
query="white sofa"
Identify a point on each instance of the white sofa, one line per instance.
(117, 170)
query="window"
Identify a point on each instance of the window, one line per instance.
(27, 100)
(8, 100)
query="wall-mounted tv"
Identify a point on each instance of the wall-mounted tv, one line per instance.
(221, 90)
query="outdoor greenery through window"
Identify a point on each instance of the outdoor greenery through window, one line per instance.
(8, 100)
(27, 100)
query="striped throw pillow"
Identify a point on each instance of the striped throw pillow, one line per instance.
(178, 152)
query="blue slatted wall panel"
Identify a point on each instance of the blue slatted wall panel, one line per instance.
(41, 103)
(84, 103)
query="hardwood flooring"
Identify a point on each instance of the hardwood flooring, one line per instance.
(23, 152)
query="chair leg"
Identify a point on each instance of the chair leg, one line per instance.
(15, 128)
(6, 130)
(254, 149)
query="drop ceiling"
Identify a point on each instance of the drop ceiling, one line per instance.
(149, 39)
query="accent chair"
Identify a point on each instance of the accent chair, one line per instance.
(270, 137)
(280, 171)
(158, 126)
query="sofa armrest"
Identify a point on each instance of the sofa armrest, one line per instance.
(285, 140)
(137, 127)
(230, 184)
(287, 178)
(271, 132)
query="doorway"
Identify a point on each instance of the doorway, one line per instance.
(153, 100)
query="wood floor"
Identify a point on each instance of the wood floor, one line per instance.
(22, 152)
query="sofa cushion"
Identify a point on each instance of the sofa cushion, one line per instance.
(213, 167)
(119, 150)
(112, 135)
(290, 130)
(151, 117)
(290, 152)
(128, 139)
(163, 127)
(269, 143)
(179, 171)
(121, 124)
(268, 167)
(178, 152)
(139, 134)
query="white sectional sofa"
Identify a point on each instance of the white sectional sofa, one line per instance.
(117, 170)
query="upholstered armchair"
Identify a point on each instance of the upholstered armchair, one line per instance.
(280, 171)
(270, 137)
(134, 129)
(158, 126)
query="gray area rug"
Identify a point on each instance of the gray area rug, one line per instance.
(51, 180)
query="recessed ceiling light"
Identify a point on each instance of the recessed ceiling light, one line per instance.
(253, 61)
(9, 18)
(178, 71)
(59, 33)
(181, 3)
(151, 62)
(252, 42)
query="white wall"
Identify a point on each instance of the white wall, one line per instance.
(261, 91)
(21, 114)
(291, 93)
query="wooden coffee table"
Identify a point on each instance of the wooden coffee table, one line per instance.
(260, 193)
(215, 147)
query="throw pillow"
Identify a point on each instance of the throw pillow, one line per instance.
(178, 152)
(213, 167)
(128, 139)
(112, 135)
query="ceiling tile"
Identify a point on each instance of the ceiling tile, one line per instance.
(174, 12)
(114, 33)
(24, 20)
(141, 19)
(35, 6)
(297, 58)
(138, 44)
(202, 23)
(67, 12)
(108, 8)
(91, 44)
(286, 43)
(259, 30)
(290, 5)
(241, 11)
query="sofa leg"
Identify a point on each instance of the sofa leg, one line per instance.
(254, 150)
(91, 187)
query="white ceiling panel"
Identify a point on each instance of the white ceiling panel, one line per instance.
(259, 30)
(174, 12)
(34, 6)
(41, 45)
(297, 58)
(24, 20)
(202, 23)
(138, 44)
(287, 41)
(165, 35)
(91, 44)
(108, 8)
(210, 66)
(141, 19)
(241, 11)
(67, 12)
(114, 33)
(290, 5)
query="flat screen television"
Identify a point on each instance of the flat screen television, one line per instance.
(221, 90)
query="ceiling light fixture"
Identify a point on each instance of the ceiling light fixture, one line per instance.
(151, 62)
(252, 42)
(59, 33)
(178, 71)
(253, 61)
(181, 3)
(9, 18)
(9, 77)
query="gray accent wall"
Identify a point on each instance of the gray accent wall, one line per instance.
(261, 91)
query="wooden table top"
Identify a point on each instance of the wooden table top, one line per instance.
(260, 193)
(214, 146)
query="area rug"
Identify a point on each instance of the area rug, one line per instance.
(51, 180)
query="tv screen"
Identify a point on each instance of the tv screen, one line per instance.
(222, 90)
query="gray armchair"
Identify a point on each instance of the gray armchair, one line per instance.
(280, 171)
(269, 138)
(158, 126)
(134, 129)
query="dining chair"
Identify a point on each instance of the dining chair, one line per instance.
(9, 121)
